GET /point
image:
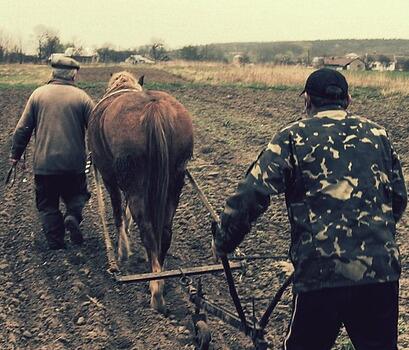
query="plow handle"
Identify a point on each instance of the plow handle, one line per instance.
(224, 259)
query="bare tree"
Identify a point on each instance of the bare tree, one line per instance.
(19, 48)
(47, 40)
(158, 51)
(5, 44)
(75, 45)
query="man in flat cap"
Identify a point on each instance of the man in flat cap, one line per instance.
(58, 113)
(344, 192)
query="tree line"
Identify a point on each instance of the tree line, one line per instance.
(47, 41)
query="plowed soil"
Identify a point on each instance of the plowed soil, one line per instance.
(66, 299)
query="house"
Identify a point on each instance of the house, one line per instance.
(317, 62)
(352, 55)
(82, 55)
(383, 66)
(344, 63)
(381, 62)
(136, 59)
(402, 63)
(238, 60)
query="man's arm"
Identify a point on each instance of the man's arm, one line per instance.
(267, 176)
(23, 131)
(88, 107)
(399, 194)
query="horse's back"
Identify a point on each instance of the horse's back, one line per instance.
(118, 131)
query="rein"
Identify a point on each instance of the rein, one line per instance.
(112, 94)
(9, 173)
(12, 173)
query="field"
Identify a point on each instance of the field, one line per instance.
(67, 300)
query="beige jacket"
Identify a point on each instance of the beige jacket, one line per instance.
(58, 113)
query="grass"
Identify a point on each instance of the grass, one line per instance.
(24, 74)
(282, 77)
(363, 84)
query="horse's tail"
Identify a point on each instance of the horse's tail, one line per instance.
(158, 128)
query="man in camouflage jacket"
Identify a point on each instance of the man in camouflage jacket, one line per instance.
(344, 192)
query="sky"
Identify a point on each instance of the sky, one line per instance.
(132, 23)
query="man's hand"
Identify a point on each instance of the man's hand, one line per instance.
(13, 162)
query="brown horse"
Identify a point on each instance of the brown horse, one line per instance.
(140, 142)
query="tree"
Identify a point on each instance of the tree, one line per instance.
(190, 53)
(47, 40)
(201, 53)
(5, 44)
(158, 51)
(265, 53)
(211, 53)
(75, 43)
(284, 58)
(144, 50)
(405, 64)
(369, 61)
(385, 60)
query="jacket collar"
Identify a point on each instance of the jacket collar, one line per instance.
(59, 81)
(337, 114)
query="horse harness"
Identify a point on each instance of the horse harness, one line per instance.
(114, 93)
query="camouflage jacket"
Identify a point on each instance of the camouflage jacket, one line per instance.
(344, 192)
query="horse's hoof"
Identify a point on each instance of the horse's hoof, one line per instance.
(122, 257)
(158, 304)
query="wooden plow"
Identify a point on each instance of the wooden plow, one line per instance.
(255, 329)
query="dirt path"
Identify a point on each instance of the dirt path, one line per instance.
(67, 300)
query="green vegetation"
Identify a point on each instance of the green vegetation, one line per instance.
(17, 74)
(364, 84)
(5, 86)
(287, 52)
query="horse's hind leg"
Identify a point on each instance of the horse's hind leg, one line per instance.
(152, 246)
(116, 200)
(175, 188)
(157, 287)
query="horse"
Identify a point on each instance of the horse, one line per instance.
(140, 142)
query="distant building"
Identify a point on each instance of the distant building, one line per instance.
(352, 55)
(382, 66)
(238, 60)
(344, 63)
(82, 55)
(402, 63)
(136, 59)
(382, 63)
(317, 62)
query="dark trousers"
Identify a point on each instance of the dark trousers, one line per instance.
(369, 314)
(72, 189)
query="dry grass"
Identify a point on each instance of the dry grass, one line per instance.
(217, 73)
(15, 74)
(28, 74)
(273, 76)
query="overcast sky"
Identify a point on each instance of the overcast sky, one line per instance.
(131, 23)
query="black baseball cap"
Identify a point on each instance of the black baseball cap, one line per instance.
(326, 83)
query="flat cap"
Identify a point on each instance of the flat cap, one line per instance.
(63, 62)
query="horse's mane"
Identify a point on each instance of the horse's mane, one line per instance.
(122, 80)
